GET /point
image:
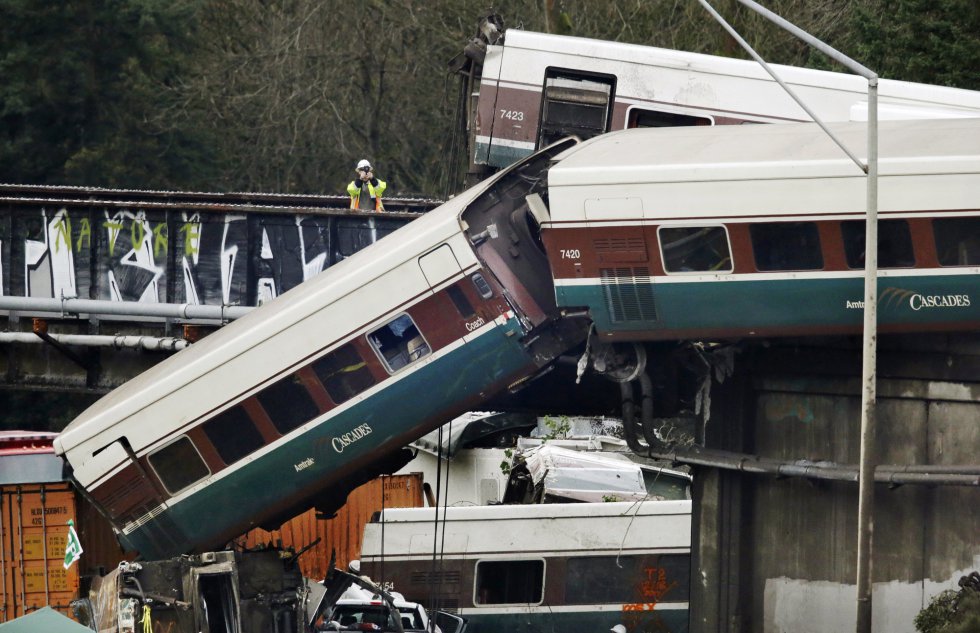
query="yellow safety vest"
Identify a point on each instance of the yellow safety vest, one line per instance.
(354, 190)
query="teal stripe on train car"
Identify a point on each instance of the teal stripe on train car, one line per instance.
(636, 619)
(241, 495)
(498, 155)
(784, 303)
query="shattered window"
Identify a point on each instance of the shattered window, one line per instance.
(343, 373)
(509, 582)
(233, 434)
(628, 579)
(178, 465)
(399, 343)
(695, 249)
(288, 403)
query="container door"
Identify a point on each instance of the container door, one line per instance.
(33, 534)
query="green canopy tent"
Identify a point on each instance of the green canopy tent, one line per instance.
(45, 620)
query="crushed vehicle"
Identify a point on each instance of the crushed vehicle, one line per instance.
(364, 606)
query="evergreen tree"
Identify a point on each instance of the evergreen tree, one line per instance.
(928, 41)
(80, 100)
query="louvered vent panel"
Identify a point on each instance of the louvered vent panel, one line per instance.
(620, 249)
(629, 294)
(434, 578)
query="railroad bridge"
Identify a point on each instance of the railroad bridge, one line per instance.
(773, 446)
(87, 275)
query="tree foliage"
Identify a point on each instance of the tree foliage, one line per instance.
(928, 41)
(953, 611)
(287, 95)
(78, 100)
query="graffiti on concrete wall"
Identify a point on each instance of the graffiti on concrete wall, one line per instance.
(173, 256)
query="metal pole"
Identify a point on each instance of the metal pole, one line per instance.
(866, 490)
(119, 341)
(868, 372)
(70, 306)
(813, 115)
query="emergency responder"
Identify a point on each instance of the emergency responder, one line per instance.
(366, 189)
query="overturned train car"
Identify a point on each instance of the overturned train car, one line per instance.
(317, 391)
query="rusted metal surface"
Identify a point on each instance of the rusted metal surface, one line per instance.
(42, 195)
(342, 534)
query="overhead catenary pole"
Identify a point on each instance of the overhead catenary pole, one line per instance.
(870, 338)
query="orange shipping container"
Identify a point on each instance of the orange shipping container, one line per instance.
(343, 533)
(34, 528)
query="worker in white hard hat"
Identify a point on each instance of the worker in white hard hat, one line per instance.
(619, 628)
(365, 190)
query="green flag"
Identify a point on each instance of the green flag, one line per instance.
(73, 549)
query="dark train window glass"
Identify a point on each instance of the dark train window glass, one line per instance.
(343, 373)
(463, 305)
(482, 286)
(399, 343)
(695, 249)
(630, 579)
(894, 244)
(178, 465)
(288, 403)
(786, 246)
(233, 434)
(509, 582)
(957, 241)
(639, 117)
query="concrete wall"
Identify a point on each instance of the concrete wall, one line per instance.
(780, 554)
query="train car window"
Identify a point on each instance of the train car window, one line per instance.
(639, 117)
(509, 582)
(628, 579)
(399, 343)
(178, 465)
(288, 403)
(233, 434)
(786, 246)
(463, 305)
(344, 373)
(957, 241)
(574, 103)
(894, 244)
(482, 286)
(695, 249)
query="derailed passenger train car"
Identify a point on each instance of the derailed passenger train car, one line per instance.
(318, 391)
(753, 231)
(537, 87)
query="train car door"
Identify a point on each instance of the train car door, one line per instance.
(439, 266)
(129, 492)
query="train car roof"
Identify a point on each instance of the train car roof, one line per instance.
(766, 152)
(926, 95)
(264, 322)
(538, 511)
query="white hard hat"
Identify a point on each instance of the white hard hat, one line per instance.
(363, 163)
(619, 628)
